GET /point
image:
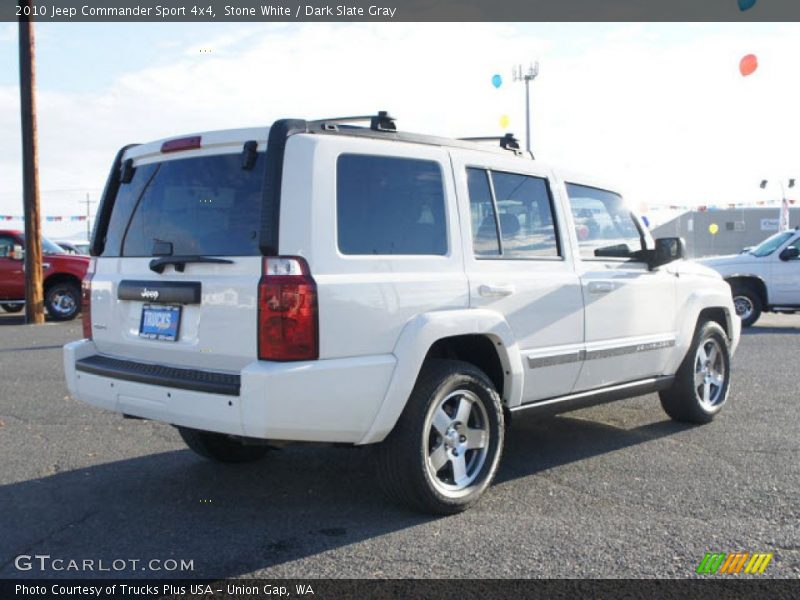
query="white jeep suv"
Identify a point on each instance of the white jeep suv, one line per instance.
(763, 278)
(319, 281)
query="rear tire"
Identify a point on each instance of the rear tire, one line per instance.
(221, 447)
(702, 382)
(747, 303)
(443, 452)
(63, 301)
(12, 308)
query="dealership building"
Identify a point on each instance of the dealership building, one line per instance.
(735, 228)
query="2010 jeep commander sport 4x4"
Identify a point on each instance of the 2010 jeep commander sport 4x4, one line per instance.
(320, 281)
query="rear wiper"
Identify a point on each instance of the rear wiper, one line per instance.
(180, 262)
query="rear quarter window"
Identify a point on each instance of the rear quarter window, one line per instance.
(389, 206)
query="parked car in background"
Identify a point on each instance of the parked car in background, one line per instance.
(322, 282)
(62, 273)
(80, 247)
(764, 278)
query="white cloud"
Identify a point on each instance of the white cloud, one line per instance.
(667, 115)
(8, 33)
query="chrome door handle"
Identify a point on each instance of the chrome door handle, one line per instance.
(601, 287)
(496, 291)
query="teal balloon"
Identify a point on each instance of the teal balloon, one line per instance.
(746, 4)
(497, 81)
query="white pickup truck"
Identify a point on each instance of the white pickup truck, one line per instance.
(320, 282)
(763, 278)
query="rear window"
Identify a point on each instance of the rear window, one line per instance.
(389, 205)
(206, 205)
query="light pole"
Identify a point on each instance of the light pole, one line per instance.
(527, 77)
(783, 221)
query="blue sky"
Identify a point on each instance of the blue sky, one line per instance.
(79, 57)
(660, 108)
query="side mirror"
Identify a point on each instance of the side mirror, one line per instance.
(667, 250)
(616, 251)
(18, 253)
(790, 253)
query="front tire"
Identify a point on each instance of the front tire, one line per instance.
(444, 451)
(747, 304)
(221, 447)
(63, 301)
(701, 385)
(12, 308)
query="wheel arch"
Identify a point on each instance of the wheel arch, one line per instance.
(57, 278)
(477, 349)
(479, 336)
(714, 304)
(754, 282)
(718, 315)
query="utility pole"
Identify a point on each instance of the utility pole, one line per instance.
(34, 296)
(527, 77)
(88, 203)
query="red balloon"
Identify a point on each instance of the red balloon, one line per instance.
(748, 65)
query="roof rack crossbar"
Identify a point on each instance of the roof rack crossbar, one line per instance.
(507, 141)
(380, 122)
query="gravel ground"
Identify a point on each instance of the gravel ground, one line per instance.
(611, 491)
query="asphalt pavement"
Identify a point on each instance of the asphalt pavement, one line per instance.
(612, 491)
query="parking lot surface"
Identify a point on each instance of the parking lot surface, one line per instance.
(612, 491)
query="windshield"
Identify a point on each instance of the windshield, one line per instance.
(48, 247)
(769, 245)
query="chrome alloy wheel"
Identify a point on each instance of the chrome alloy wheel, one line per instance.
(744, 307)
(456, 437)
(64, 304)
(709, 373)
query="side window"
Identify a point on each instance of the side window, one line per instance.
(485, 241)
(6, 246)
(519, 207)
(389, 206)
(604, 224)
(795, 244)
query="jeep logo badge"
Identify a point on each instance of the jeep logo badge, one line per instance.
(150, 294)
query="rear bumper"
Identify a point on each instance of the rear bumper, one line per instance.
(321, 401)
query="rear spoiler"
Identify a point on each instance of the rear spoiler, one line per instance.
(98, 242)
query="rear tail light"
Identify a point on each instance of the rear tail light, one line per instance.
(86, 300)
(288, 323)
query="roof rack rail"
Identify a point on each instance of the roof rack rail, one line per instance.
(382, 126)
(507, 141)
(380, 122)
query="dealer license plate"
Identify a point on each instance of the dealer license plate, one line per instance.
(160, 322)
